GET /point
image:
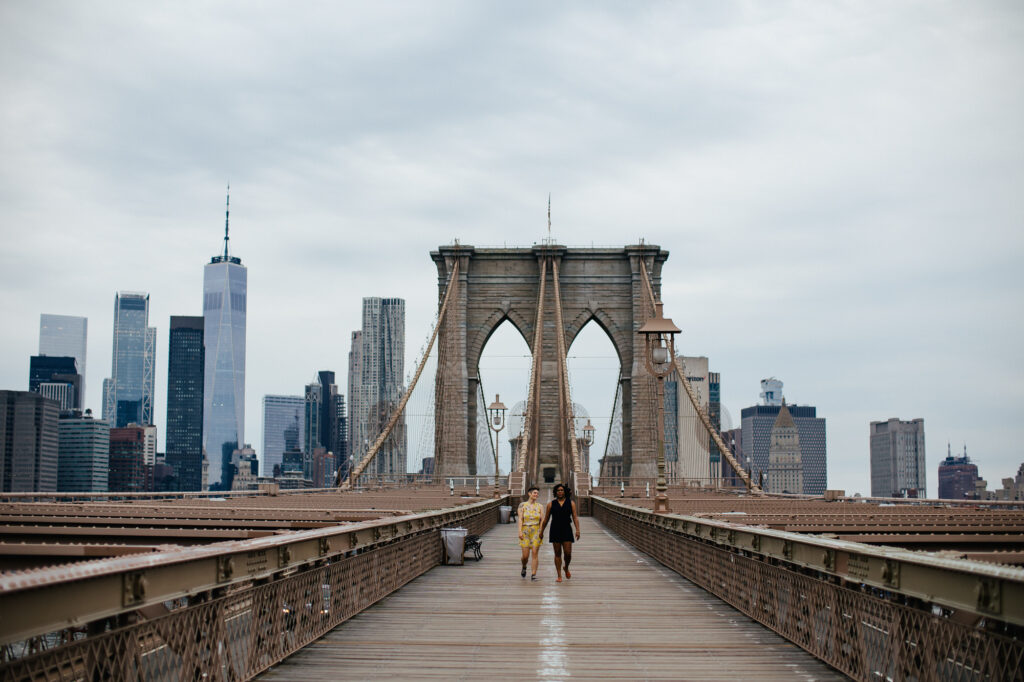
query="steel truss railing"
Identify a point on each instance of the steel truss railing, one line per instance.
(224, 611)
(870, 612)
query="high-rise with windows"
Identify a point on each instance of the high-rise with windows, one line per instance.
(355, 376)
(128, 393)
(186, 363)
(57, 378)
(83, 454)
(128, 469)
(715, 417)
(897, 458)
(28, 442)
(785, 472)
(956, 475)
(381, 365)
(757, 422)
(686, 439)
(224, 305)
(65, 335)
(284, 425)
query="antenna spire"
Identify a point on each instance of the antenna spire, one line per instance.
(227, 216)
(549, 216)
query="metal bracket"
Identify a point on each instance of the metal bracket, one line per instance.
(828, 558)
(891, 573)
(989, 595)
(133, 588)
(787, 549)
(225, 568)
(325, 546)
(284, 556)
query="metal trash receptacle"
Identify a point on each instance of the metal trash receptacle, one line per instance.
(453, 542)
(504, 513)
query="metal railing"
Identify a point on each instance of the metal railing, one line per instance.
(870, 612)
(223, 611)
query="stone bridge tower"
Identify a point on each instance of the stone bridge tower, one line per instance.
(603, 284)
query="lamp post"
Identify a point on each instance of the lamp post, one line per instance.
(588, 439)
(496, 422)
(659, 356)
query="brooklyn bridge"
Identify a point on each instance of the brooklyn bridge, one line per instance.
(673, 578)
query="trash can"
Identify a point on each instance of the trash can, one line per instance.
(504, 513)
(453, 542)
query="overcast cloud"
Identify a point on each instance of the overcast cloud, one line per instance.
(839, 184)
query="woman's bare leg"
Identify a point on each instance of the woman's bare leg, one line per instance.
(558, 559)
(536, 559)
(567, 551)
(526, 556)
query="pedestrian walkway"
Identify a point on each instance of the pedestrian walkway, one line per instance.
(621, 616)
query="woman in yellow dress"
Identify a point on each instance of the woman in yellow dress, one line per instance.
(530, 514)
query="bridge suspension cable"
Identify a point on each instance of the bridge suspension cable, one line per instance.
(568, 421)
(372, 452)
(532, 402)
(701, 414)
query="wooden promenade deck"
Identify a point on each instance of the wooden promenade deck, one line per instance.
(622, 616)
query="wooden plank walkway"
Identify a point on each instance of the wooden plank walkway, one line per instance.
(622, 616)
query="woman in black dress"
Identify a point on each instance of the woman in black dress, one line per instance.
(561, 512)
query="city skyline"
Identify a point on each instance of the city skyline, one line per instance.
(830, 197)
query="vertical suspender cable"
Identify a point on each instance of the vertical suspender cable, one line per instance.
(532, 402)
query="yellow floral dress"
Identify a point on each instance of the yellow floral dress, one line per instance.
(531, 514)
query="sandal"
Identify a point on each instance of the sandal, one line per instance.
(567, 574)
(523, 573)
(533, 576)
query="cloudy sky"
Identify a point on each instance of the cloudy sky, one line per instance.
(839, 184)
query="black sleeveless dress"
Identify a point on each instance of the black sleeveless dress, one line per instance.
(561, 522)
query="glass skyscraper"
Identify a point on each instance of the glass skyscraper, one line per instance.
(224, 303)
(283, 416)
(65, 335)
(185, 367)
(128, 393)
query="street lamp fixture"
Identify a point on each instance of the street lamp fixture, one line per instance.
(496, 422)
(588, 434)
(659, 355)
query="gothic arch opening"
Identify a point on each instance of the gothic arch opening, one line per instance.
(504, 370)
(594, 372)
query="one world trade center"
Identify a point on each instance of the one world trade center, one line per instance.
(224, 302)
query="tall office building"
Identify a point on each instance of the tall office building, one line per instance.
(128, 393)
(756, 424)
(897, 458)
(128, 469)
(341, 454)
(284, 423)
(83, 454)
(785, 472)
(715, 416)
(57, 378)
(65, 335)
(686, 440)
(378, 387)
(224, 305)
(28, 442)
(355, 376)
(957, 476)
(313, 412)
(186, 363)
